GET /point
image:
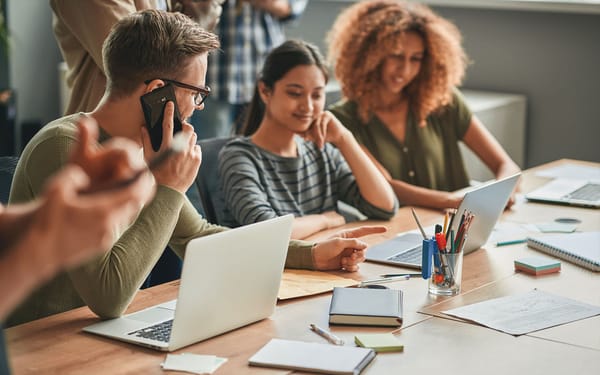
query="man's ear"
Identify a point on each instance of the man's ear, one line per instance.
(153, 85)
(264, 92)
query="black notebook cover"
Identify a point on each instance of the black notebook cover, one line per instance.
(365, 306)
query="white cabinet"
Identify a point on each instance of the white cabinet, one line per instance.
(504, 116)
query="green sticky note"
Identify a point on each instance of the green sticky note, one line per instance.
(380, 342)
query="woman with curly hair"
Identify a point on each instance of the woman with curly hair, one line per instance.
(398, 65)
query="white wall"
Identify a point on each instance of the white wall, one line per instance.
(553, 58)
(33, 60)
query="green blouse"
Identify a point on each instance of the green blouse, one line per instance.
(429, 156)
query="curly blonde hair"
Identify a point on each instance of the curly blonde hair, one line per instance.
(364, 34)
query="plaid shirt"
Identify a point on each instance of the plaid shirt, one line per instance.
(247, 35)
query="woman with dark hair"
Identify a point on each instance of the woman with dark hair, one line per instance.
(295, 157)
(398, 65)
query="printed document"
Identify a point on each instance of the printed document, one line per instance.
(524, 313)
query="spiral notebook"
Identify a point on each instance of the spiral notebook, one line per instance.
(581, 248)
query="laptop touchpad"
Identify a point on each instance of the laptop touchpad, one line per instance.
(153, 315)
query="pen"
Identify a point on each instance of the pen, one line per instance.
(383, 280)
(418, 223)
(400, 274)
(327, 335)
(452, 215)
(511, 242)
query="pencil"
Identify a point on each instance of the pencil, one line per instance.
(445, 223)
(511, 242)
(401, 274)
(418, 223)
(452, 215)
(383, 280)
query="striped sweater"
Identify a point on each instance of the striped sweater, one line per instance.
(258, 185)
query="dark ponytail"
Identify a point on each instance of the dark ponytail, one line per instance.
(280, 61)
(253, 114)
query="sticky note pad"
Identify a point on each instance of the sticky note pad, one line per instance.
(537, 265)
(380, 342)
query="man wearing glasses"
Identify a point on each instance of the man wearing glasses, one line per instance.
(142, 48)
(145, 51)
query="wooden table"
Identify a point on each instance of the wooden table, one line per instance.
(433, 341)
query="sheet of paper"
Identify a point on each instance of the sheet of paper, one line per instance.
(524, 313)
(194, 363)
(571, 171)
(509, 231)
(300, 283)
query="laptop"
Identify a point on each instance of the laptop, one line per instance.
(486, 202)
(229, 280)
(583, 193)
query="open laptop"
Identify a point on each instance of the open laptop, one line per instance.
(584, 193)
(486, 202)
(229, 279)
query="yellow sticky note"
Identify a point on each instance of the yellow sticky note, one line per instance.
(380, 342)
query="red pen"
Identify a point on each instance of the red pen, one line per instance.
(441, 241)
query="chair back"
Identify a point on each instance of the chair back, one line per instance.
(207, 179)
(8, 164)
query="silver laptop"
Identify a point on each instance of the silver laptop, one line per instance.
(229, 279)
(572, 192)
(486, 202)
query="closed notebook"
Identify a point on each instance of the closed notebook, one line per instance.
(579, 248)
(312, 357)
(365, 306)
(380, 342)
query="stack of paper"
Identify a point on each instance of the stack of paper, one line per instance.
(537, 265)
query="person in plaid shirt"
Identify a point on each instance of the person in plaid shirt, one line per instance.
(248, 31)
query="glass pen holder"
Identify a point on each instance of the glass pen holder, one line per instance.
(445, 269)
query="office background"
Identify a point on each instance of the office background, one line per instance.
(550, 56)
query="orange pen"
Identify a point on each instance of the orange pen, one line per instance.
(441, 241)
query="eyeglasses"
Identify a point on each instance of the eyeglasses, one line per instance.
(201, 92)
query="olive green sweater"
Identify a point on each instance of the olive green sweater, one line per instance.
(108, 283)
(429, 157)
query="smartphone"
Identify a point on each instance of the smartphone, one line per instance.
(153, 105)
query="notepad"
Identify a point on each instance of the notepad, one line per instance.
(580, 248)
(537, 265)
(380, 342)
(363, 306)
(301, 283)
(312, 357)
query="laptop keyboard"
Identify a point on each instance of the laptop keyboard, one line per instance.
(412, 256)
(159, 332)
(588, 192)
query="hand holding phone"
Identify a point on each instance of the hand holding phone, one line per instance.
(153, 106)
(178, 145)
